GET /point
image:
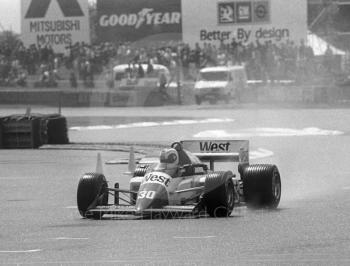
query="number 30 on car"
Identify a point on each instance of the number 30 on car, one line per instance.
(146, 194)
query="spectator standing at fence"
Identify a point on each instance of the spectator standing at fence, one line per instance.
(185, 60)
(270, 61)
(291, 58)
(140, 72)
(328, 60)
(89, 75)
(233, 49)
(73, 80)
(301, 62)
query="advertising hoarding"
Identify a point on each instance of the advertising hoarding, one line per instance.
(57, 23)
(245, 20)
(138, 20)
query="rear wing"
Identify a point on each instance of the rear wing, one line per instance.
(219, 150)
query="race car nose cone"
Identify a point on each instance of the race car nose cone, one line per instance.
(151, 196)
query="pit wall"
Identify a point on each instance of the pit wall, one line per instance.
(276, 93)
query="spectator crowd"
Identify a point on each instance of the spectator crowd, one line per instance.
(263, 61)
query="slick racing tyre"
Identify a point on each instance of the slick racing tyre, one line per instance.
(57, 132)
(92, 191)
(219, 198)
(262, 186)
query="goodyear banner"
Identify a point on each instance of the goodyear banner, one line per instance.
(244, 20)
(139, 20)
(57, 23)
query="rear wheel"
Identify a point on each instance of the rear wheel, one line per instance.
(92, 191)
(262, 186)
(219, 197)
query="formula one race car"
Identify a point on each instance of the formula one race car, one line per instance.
(183, 182)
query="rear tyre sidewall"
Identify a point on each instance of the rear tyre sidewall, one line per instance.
(219, 197)
(262, 186)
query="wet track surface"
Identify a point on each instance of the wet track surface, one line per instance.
(41, 226)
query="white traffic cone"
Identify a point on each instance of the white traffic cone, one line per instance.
(99, 169)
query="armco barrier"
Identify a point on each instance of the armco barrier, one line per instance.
(146, 96)
(83, 98)
(137, 96)
(149, 96)
(292, 94)
(98, 98)
(118, 99)
(54, 97)
(1, 146)
(187, 93)
(68, 98)
(29, 97)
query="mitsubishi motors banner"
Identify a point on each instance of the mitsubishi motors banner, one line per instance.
(247, 21)
(139, 20)
(57, 23)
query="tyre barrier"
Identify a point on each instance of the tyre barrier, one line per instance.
(56, 129)
(32, 131)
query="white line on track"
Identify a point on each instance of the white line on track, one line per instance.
(260, 153)
(71, 238)
(193, 237)
(156, 124)
(71, 207)
(21, 251)
(268, 132)
(346, 188)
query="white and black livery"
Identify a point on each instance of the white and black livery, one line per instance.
(182, 181)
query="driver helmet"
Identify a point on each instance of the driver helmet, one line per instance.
(169, 161)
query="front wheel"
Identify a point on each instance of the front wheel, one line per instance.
(219, 197)
(262, 186)
(92, 191)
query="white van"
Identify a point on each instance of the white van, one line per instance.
(127, 76)
(220, 83)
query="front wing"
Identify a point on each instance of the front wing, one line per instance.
(164, 212)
